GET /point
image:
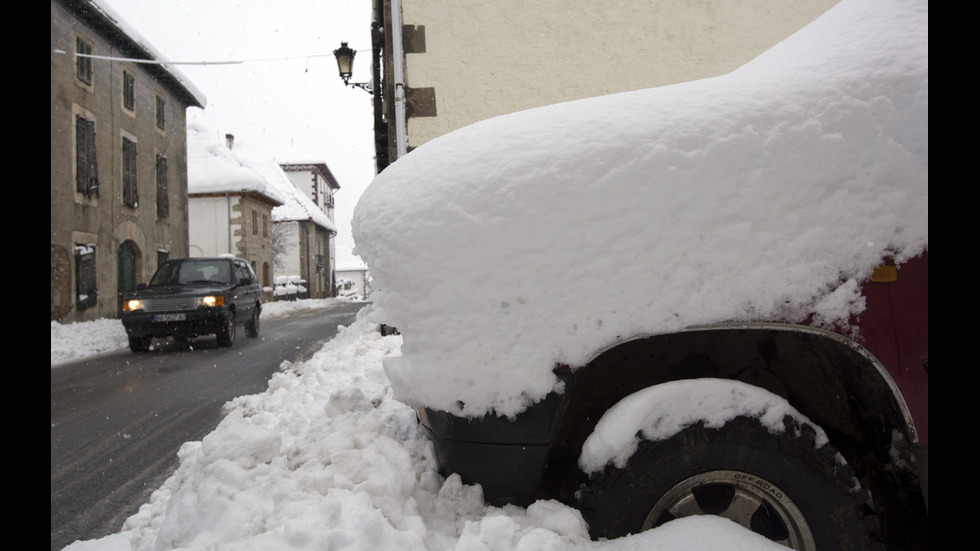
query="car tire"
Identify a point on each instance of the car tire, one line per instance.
(226, 335)
(778, 485)
(252, 325)
(139, 344)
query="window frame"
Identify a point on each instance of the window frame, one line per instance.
(161, 112)
(129, 90)
(84, 71)
(86, 277)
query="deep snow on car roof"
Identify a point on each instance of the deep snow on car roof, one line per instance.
(768, 193)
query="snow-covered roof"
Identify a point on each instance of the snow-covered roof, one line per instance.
(296, 205)
(317, 166)
(213, 168)
(766, 194)
(351, 268)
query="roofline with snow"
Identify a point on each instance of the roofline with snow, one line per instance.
(316, 167)
(258, 196)
(99, 18)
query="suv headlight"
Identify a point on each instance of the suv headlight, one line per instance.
(211, 301)
(132, 305)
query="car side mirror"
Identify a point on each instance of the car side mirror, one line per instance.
(245, 281)
(141, 286)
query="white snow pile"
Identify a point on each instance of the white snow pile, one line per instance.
(326, 459)
(661, 411)
(544, 236)
(73, 341)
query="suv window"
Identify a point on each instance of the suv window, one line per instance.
(244, 271)
(192, 271)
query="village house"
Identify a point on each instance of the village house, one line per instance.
(230, 203)
(309, 221)
(118, 160)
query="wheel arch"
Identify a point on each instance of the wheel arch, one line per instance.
(829, 378)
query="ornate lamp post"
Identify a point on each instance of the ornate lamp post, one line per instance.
(345, 66)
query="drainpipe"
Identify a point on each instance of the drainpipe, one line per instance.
(398, 70)
(228, 202)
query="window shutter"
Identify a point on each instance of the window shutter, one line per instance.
(163, 198)
(86, 167)
(130, 192)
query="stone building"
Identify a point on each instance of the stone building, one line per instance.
(118, 160)
(309, 220)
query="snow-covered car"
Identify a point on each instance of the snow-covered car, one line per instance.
(190, 297)
(703, 298)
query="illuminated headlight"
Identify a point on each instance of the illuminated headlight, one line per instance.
(212, 301)
(132, 305)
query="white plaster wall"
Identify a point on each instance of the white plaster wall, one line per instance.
(208, 224)
(290, 259)
(302, 181)
(487, 58)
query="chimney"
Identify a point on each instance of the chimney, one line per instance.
(230, 140)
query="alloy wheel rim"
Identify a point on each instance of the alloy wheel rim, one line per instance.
(744, 498)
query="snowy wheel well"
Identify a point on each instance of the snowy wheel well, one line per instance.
(828, 378)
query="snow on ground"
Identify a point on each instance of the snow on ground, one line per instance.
(325, 458)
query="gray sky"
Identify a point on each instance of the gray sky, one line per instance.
(285, 96)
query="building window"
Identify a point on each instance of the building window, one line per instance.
(86, 293)
(86, 167)
(163, 198)
(161, 113)
(83, 65)
(130, 194)
(255, 222)
(129, 90)
(265, 226)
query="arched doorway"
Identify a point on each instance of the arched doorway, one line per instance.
(127, 260)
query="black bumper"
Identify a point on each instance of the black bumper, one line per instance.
(195, 322)
(506, 457)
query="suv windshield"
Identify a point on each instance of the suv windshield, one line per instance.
(192, 271)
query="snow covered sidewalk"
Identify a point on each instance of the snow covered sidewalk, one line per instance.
(326, 459)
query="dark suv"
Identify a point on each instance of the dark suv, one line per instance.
(189, 297)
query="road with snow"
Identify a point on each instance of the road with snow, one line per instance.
(117, 420)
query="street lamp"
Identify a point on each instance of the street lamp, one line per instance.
(345, 65)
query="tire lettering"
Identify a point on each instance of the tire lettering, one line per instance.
(765, 486)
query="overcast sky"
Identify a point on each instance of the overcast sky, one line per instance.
(285, 96)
